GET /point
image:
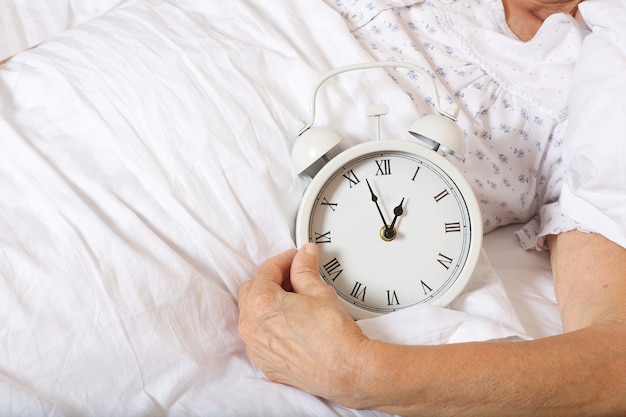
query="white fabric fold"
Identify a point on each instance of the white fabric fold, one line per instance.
(144, 174)
(482, 312)
(594, 192)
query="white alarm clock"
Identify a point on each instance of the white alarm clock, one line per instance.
(395, 222)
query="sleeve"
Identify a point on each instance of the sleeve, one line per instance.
(594, 154)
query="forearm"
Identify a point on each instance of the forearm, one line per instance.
(590, 279)
(304, 338)
(579, 373)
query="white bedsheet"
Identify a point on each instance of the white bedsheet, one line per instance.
(145, 173)
(25, 23)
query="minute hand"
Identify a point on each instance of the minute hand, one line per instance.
(375, 200)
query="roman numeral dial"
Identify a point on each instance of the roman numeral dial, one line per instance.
(394, 228)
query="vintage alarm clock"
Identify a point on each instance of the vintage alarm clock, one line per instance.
(395, 222)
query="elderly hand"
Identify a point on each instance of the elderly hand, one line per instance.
(296, 331)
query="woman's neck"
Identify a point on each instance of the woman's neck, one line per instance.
(525, 17)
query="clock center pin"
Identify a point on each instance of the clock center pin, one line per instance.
(388, 233)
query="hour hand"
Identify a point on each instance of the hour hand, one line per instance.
(375, 200)
(389, 233)
(398, 211)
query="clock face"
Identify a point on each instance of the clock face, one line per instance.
(396, 225)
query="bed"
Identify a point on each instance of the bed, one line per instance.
(145, 173)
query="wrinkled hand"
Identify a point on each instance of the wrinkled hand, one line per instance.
(296, 331)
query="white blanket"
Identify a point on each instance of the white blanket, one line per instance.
(23, 24)
(145, 173)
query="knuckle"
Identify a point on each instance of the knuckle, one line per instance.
(244, 289)
(305, 270)
(328, 291)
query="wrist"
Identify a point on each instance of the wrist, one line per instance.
(380, 377)
(358, 386)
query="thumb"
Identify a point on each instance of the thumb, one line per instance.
(305, 276)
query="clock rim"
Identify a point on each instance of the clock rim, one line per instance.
(393, 145)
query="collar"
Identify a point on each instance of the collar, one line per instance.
(358, 13)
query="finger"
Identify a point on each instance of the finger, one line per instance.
(244, 290)
(305, 276)
(275, 269)
(261, 295)
(272, 272)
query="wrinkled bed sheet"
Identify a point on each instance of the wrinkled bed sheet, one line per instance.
(24, 23)
(145, 173)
